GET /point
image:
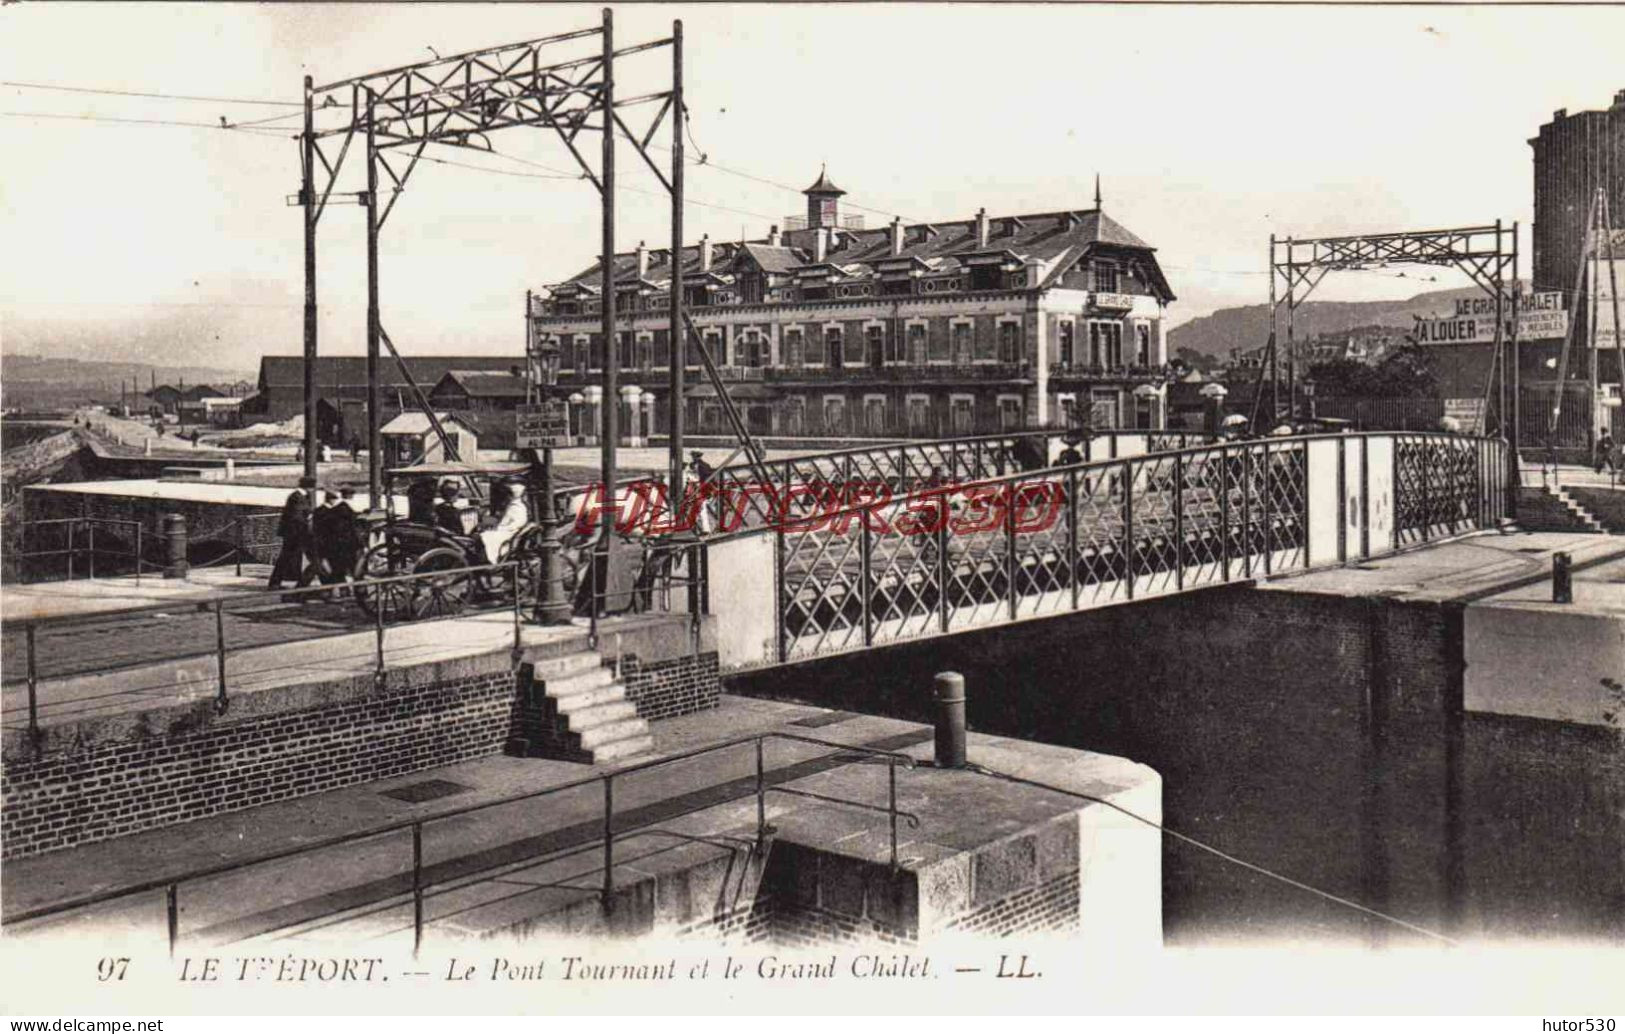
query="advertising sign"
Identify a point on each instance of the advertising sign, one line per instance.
(1541, 316)
(545, 425)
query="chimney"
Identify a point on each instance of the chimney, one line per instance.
(1560, 114)
(897, 236)
(981, 228)
(820, 243)
(643, 260)
(773, 237)
(705, 253)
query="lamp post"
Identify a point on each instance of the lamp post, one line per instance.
(551, 606)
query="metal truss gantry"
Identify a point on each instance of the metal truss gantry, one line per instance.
(1487, 254)
(458, 101)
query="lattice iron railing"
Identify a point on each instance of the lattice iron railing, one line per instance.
(975, 551)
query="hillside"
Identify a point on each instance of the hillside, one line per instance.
(1248, 326)
(43, 381)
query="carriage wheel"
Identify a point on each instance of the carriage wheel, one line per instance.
(395, 599)
(444, 595)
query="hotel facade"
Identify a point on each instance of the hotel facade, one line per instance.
(827, 329)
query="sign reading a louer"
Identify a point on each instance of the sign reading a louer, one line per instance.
(1112, 300)
(545, 425)
(1460, 330)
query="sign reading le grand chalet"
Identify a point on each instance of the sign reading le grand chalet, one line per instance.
(1540, 316)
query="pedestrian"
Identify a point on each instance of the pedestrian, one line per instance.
(355, 449)
(453, 513)
(293, 562)
(511, 514)
(336, 537)
(1605, 451)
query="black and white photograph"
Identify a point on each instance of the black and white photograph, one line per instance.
(781, 510)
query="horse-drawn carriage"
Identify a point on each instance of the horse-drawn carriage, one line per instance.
(434, 535)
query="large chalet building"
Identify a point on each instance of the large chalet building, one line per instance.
(937, 329)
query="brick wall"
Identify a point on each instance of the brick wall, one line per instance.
(668, 688)
(79, 789)
(1046, 908)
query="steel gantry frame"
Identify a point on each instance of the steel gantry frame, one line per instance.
(458, 101)
(1487, 254)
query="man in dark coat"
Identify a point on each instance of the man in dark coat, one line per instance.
(333, 525)
(298, 555)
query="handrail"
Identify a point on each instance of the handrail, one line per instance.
(171, 884)
(72, 551)
(1049, 473)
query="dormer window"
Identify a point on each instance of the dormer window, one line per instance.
(1105, 276)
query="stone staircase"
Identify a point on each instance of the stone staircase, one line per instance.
(579, 711)
(1553, 509)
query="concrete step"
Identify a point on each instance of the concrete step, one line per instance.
(609, 732)
(578, 682)
(549, 668)
(627, 748)
(1580, 513)
(573, 702)
(603, 714)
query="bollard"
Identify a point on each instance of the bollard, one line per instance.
(1562, 578)
(175, 537)
(949, 687)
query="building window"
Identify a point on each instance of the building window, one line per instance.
(894, 345)
(1106, 276)
(714, 346)
(876, 337)
(645, 351)
(874, 415)
(919, 414)
(962, 343)
(937, 348)
(916, 344)
(1105, 345)
(1009, 343)
(792, 349)
(962, 414)
(751, 350)
(834, 414)
(1103, 408)
(795, 416)
(854, 350)
(1065, 343)
(832, 347)
(1142, 345)
(985, 278)
(1009, 413)
(662, 348)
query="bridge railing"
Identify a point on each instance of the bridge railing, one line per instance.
(993, 550)
(905, 466)
(68, 547)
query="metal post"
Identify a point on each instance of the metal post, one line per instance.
(677, 361)
(611, 358)
(220, 654)
(237, 538)
(71, 525)
(33, 685)
(942, 559)
(92, 534)
(518, 649)
(1128, 528)
(1012, 498)
(1562, 578)
(1224, 514)
(1179, 522)
(307, 194)
(866, 578)
(891, 772)
(1246, 512)
(417, 887)
(380, 601)
(609, 843)
(761, 799)
(375, 468)
(1264, 505)
(138, 553)
(173, 914)
(1075, 562)
(948, 689)
(1272, 358)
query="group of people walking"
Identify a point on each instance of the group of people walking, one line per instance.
(318, 540)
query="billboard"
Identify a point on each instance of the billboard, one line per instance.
(1541, 316)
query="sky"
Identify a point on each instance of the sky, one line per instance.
(1211, 127)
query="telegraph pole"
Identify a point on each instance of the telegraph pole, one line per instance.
(307, 194)
(612, 401)
(375, 470)
(677, 361)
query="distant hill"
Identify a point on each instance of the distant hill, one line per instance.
(1248, 326)
(35, 381)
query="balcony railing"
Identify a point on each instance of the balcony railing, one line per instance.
(903, 373)
(1101, 371)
